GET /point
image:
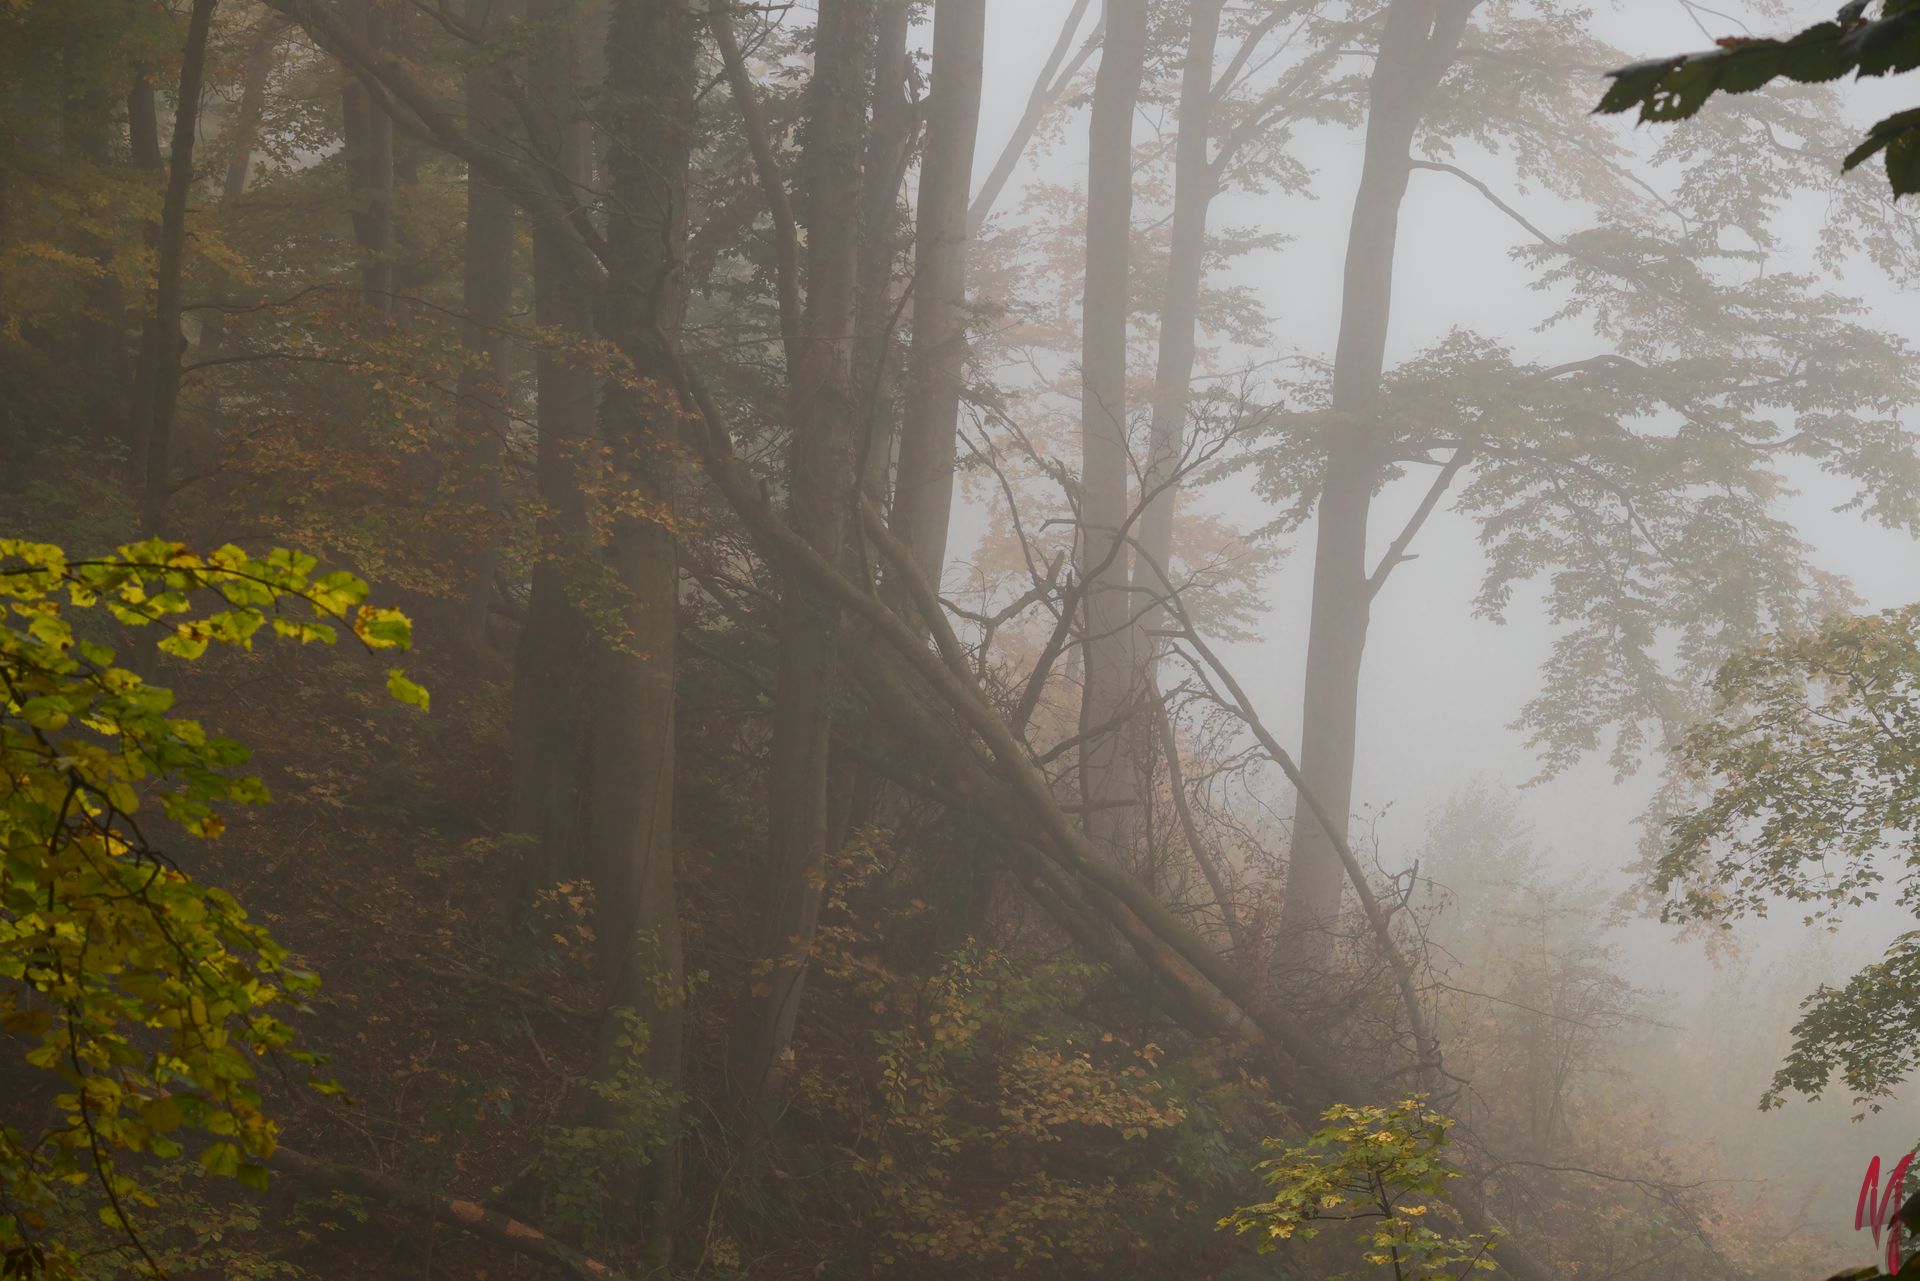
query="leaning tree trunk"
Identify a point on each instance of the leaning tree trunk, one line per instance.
(156, 440)
(1417, 45)
(549, 704)
(820, 477)
(1109, 771)
(650, 78)
(923, 495)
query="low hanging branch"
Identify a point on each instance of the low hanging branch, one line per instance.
(469, 1216)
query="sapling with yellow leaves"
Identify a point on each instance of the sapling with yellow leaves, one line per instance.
(1381, 1168)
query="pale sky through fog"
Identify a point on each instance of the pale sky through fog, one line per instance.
(1440, 687)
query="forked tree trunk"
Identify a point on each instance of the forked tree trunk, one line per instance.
(820, 477)
(923, 495)
(1109, 772)
(1417, 44)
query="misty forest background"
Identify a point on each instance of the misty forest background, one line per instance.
(1149, 639)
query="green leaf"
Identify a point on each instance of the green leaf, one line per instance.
(405, 690)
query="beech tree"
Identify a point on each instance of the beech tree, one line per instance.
(783, 886)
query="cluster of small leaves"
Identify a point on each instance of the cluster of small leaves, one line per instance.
(1675, 88)
(1380, 1168)
(991, 1126)
(143, 995)
(634, 1117)
(1813, 765)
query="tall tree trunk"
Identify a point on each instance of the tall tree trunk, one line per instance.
(1195, 184)
(1108, 770)
(157, 438)
(486, 297)
(650, 80)
(820, 472)
(923, 497)
(853, 789)
(889, 143)
(87, 138)
(369, 154)
(549, 706)
(143, 143)
(1417, 44)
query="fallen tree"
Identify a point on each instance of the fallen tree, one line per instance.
(468, 1216)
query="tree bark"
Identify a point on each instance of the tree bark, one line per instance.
(156, 440)
(1417, 44)
(369, 155)
(1194, 187)
(650, 66)
(486, 297)
(143, 143)
(1109, 773)
(820, 472)
(549, 703)
(889, 144)
(923, 493)
(87, 138)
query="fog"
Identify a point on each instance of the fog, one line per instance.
(1439, 701)
(891, 765)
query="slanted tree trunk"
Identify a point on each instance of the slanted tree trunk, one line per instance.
(156, 437)
(1109, 775)
(369, 154)
(1417, 44)
(650, 80)
(549, 706)
(820, 475)
(923, 497)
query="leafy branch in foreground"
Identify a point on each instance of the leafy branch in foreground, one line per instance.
(1381, 1167)
(1814, 765)
(143, 996)
(1674, 88)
